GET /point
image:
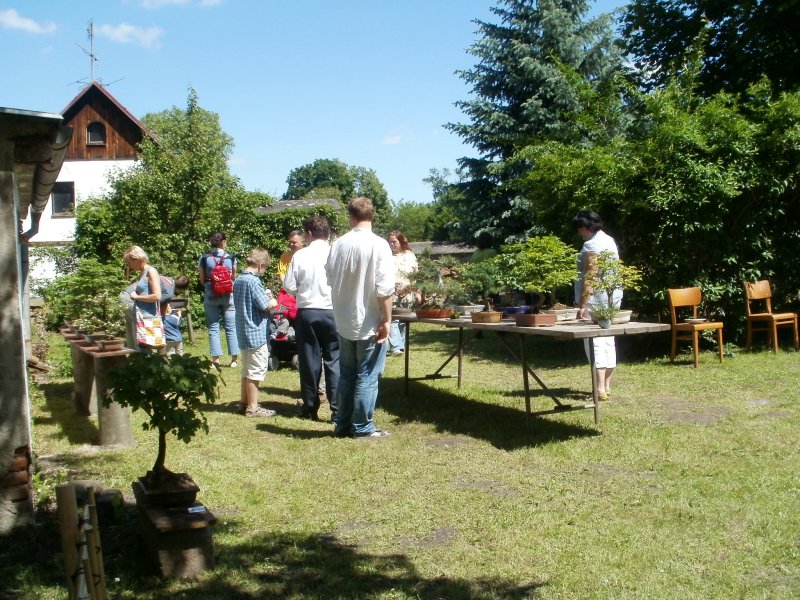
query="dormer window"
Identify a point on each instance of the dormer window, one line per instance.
(96, 134)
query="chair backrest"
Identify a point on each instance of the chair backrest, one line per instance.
(681, 297)
(758, 290)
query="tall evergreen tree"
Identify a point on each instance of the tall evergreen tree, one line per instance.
(524, 92)
(741, 41)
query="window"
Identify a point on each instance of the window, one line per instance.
(64, 199)
(96, 134)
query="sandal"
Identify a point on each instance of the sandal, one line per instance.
(260, 412)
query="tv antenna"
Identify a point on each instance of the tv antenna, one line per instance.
(90, 52)
(92, 58)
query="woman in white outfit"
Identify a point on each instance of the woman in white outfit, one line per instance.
(589, 227)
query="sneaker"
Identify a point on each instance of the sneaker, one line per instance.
(234, 364)
(260, 412)
(398, 352)
(378, 433)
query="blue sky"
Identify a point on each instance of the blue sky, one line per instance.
(370, 82)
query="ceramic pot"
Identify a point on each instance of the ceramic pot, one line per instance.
(563, 314)
(510, 311)
(486, 316)
(604, 323)
(434, 313)
(535, 320)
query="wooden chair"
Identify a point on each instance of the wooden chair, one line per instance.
(690, 331)
(760, 291)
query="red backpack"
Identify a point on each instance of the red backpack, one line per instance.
(221, 282)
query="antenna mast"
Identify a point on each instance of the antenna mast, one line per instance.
(90, 52)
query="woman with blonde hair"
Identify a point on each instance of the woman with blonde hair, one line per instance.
(145, 292)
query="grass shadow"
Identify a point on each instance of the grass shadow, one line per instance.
(504, 427)
(268, 565)
(77, 429)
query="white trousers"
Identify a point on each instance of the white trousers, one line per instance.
(605, 352)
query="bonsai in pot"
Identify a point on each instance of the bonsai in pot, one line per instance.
(538, 265)
(89, 299)
(436, 285)
(482, 280)
(606, 275)
(171, 391)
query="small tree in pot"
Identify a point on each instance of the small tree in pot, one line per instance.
(482, 280)
(171, 391)
(607, 275)
(539, 264)
(435, 282)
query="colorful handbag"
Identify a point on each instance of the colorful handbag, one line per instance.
(149, 331)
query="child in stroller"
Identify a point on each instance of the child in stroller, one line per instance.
(283, 347)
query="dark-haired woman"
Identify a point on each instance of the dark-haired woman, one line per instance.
(589, 226)
(219, 307)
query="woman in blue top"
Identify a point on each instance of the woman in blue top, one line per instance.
(146, 291)
(219, 307)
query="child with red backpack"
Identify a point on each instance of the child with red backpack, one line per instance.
(217, 269)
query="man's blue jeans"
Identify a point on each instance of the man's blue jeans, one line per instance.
(360, 365)
(221, 307)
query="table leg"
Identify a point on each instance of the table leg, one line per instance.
(595, 395)
(460, 352)
(524, 360)
(405, 356)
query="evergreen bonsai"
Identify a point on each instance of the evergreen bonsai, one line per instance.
(482, 280)
(171, 391)
(539, 264)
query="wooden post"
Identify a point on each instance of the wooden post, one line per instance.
(68, 527)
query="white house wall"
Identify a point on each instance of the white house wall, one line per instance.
(91, 180)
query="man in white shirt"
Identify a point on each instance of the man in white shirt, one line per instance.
(360, 271)
(315, 328)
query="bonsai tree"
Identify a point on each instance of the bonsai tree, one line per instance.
(539, 264)
(607, 274)
(170, 390)
(88, 298)
(435, 281)
(482, 280)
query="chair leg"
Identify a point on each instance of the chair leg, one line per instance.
(774, 336)
(695, 347)
(719, 340)
(796, 338)
(749, 335)
(674, 346)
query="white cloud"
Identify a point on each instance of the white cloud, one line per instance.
(160, 3)
(392, 139)
(131, 34)
(11, 19)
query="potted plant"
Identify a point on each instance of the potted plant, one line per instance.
(171, 391)
(436, 285)
(539, 264)
(607, 275)
(482, 279)
(89, 300)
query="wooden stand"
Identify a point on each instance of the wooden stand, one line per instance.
(180, 541)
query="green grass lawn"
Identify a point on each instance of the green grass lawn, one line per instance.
(688, 488)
